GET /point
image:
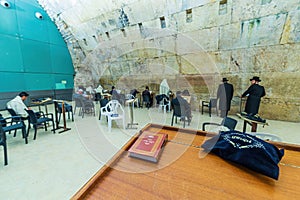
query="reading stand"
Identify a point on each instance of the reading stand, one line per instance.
(132, 123)
(64, 127)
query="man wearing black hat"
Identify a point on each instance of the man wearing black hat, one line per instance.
(224, 94)
(254, 93)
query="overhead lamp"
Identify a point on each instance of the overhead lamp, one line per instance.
(39, 15)
(5, 4)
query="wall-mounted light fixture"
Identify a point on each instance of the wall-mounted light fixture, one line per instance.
(5, 4)
(39, 15)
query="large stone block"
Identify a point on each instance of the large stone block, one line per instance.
(206, 39)
(226, 62)
(229, 37)
(279, 109)
(206, 19)
(292, 28)
(139, 11)
(254, 32)
(245, 10)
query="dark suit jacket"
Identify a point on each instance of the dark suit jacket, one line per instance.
(184, 106)
(224, 94)
(255, 92)
(146, 96)
(115, 95)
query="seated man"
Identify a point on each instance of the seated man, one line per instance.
(17, 104)
(184, 106)
(134, 92)
(80, 95)
(81, 98)
(105, 99)
(160, 97)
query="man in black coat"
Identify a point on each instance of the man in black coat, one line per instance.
(185, 108)
(225, 94)
(254, 93)
(114, 93)
(147, 97)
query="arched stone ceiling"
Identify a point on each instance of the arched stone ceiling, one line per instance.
(84, 23)
(89, 25)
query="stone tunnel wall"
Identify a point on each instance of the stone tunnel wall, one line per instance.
(193, 46)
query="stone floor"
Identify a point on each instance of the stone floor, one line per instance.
(55, 166)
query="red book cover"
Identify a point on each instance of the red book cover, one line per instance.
(148, 146)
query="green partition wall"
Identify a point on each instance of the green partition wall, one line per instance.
(33, 54)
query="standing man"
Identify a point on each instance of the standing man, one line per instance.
(254, 93)
(147, 97)
(225, 94)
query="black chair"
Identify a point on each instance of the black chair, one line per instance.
(211, 104)
(16, 118)
(15, 124)
(13, 113)
(88, 107)
(3, 143)
(228, 122)
(102, 103)
(39, 121)
(85, 106)
(78, 104)
(177, 112)
(68, 109)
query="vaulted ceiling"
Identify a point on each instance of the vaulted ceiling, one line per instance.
(86, 21)
(84, 24)
(83, 19)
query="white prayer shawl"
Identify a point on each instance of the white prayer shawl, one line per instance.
(164, 87)
(99, 89)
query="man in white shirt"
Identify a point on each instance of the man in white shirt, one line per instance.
(17, 104)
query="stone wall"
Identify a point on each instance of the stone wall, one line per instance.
(193, 44)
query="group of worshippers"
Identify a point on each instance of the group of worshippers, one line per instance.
(224, 94)
(254, 94)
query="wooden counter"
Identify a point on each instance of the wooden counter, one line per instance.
(182, 174)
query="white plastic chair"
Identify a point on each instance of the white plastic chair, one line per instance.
(113, 111)
(163, 106)
(129, 96)
(136, 100)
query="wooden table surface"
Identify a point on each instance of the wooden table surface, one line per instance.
(182, 174)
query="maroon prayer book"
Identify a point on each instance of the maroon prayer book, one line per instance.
(148, 146)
